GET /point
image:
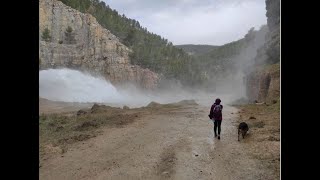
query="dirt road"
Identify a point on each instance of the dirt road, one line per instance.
(175, 144)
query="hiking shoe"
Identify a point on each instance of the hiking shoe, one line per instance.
(215, 135)
(218, 137)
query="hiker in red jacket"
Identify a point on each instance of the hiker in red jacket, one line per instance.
(216, 116)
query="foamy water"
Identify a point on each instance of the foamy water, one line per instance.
(74, 86)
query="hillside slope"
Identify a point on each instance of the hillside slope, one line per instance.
(196, 50)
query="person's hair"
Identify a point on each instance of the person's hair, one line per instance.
(218, 101)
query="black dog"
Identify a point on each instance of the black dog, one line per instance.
(243, 128)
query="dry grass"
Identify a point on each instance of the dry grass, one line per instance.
(263, 141)
(57, 131)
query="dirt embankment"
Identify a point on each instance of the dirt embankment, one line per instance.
(263, 140)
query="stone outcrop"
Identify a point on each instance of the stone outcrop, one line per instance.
(263, 82)
(93, 48)
(263, 85)
(273, 37)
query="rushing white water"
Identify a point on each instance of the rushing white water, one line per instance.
(75, 86)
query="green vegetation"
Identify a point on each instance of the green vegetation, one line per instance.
(46, 35)
(69, 36)
(196, 50)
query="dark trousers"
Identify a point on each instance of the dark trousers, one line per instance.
(217, 124)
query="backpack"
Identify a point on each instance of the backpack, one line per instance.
(217, 110)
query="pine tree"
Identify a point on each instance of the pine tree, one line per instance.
(46, 35)
(69, 36)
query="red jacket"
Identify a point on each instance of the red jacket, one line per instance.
(219, 118)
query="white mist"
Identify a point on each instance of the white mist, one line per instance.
(74, 86)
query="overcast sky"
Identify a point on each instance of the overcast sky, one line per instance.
(213, 22)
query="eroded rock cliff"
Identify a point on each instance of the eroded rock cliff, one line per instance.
(263, 81)
(77, 41)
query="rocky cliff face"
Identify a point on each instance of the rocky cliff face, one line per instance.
(273, 37)
(88, 46)
(263, 83)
